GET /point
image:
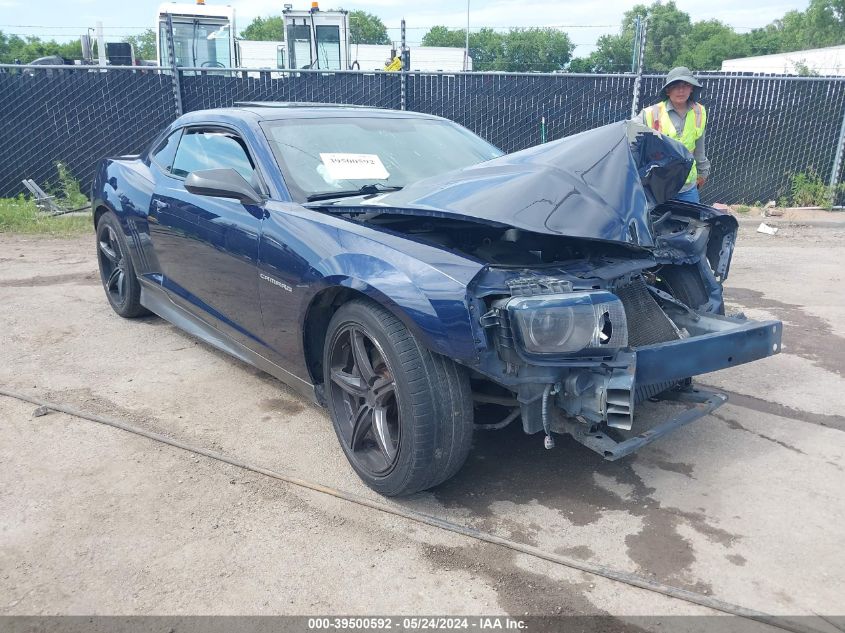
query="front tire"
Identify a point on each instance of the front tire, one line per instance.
(685, 284)
(403, 415)
(116, 270)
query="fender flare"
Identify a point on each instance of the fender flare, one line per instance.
(443, 326)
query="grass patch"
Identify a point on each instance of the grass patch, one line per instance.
(19, 215)
(809, 189)
(743, 209)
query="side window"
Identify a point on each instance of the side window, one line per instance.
(212, 149)
(163, 154)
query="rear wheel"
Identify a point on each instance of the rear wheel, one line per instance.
(403, 414)
(116, 271)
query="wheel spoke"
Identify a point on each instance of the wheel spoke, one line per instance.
(112, 280)
(383, 389)
(108, 252)
(114, 243)
(353, 385)
(361, 357)
(364, 400)
(361, 425)
(382, 434)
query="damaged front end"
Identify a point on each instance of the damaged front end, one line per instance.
(599, 294)
(585, 345)
(588, 341)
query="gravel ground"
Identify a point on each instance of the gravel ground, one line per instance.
(745, 505)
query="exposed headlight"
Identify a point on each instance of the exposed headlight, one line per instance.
(576, 323)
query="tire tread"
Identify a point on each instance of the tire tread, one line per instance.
(441, 405)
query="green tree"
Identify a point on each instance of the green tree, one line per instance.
(612, 55)
(144, 44)
(270, 29)
(821, 24)
(535, 49)
(708, 44)
(486, 46)
(668, 28)
(519, 50)
(30, 48)
(763, 41)
(672, 39)
(366, 28)
(443, 36)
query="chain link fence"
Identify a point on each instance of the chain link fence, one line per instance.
(213, 90)
(75, 116)
(516, 111)
(761, 130)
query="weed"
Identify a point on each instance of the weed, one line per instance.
(743, 209)
(67, 190)
(70, 189)
(19, 215)
(808, 189)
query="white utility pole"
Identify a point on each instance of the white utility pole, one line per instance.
(101, 44)
(466, 48)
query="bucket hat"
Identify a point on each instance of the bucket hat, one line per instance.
(680, 73)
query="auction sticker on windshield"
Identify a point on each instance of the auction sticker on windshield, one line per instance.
(354, 166)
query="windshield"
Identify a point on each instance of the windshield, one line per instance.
(198, 43)
(321, 156)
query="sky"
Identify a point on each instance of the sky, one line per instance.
(583, 21)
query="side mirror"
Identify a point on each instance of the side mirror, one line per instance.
(222, 183)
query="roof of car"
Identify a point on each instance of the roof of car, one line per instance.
(273, 110)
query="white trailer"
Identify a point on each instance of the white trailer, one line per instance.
(256, 54)
(821, 61)
(423, 58)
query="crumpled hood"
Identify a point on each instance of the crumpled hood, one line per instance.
(598, 184)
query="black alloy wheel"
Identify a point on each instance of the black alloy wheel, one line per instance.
(364, 400)
(112, 266)
(403, 414)
(116, 271)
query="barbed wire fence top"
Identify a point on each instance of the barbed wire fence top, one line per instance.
(760, 132)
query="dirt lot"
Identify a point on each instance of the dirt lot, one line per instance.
(745, 505)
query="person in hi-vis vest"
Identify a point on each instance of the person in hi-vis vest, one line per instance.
(682, 118)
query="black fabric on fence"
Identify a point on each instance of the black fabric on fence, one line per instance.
(508, 110)
(76, 117)
(761, 131)
(213, 91)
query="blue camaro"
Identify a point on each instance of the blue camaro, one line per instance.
(404, 273)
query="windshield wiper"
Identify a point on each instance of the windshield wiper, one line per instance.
(366, 189)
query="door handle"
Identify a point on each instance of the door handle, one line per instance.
(159, 205)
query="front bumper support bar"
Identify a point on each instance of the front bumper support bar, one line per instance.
(703, 402)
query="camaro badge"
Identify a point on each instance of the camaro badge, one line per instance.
(275, 282)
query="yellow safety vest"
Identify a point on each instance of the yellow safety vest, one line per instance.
(657, 118)
(395, 65)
